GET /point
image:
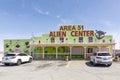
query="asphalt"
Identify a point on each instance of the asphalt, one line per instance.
(60, 70)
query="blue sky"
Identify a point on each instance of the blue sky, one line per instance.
(21, 18)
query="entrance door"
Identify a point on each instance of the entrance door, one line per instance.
(50, 52)
(63, 51)
(77, 53)
(38, 53)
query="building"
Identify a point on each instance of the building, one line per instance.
(70, 40)
(1, 55)
(16, 45)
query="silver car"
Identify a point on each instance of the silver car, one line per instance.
(101, 58)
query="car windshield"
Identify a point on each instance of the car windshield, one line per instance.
(10, 55)
(103, 54)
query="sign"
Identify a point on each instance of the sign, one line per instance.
(75, 31)
(100, 34)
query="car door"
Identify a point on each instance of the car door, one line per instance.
(26, 58)
(22, 57)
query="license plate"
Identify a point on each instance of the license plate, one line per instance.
(104, 58)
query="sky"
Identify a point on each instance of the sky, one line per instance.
(20, 19)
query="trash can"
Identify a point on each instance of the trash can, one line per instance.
(116, 58)
(66, 58)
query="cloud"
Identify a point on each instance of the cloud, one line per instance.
(45, 12)
(23, 3)
(108, 23)
(40, 11)
(4, 13)
(66, 21)
(21, 15)
(58, 16)
(10, 36)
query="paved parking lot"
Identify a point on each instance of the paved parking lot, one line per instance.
(60, 70)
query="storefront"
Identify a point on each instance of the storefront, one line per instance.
(71, 40)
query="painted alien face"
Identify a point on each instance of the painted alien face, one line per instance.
(100, 34)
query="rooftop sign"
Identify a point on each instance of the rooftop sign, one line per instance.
(75, 31)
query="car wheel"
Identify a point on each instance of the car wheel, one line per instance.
(91, 62)
(94, 63)
(30, 60)
(19, 62)
(7, 64)
(109, 65)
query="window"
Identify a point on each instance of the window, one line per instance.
(110, 40)
(39, 41)
(90, 50)
(103, 41)
(103, 54)
(7, 46)
(10, 55)
(62, 39)
(52, 40)
(80, 39)
(90, 39)
(21, 54)
(66, 39)
(10, 41)
(95, 54)
(46, 40)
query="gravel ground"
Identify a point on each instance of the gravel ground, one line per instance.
(60, 70)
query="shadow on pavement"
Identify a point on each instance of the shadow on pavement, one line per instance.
(88, 63)
(44, 66)
(2, 65)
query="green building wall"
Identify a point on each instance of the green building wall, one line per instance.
(11, 45)
(71, 40)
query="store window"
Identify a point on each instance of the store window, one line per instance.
(103, 40)
(90, 39)
(110, 40)
(81, 39)
(90, 50)
(52, 40)
(61, 39)
(39, 41)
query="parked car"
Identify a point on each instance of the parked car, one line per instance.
(16, 58)
(1, 55)
(101, 58)
(0, 58)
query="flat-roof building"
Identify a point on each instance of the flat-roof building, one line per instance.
(70, 40)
